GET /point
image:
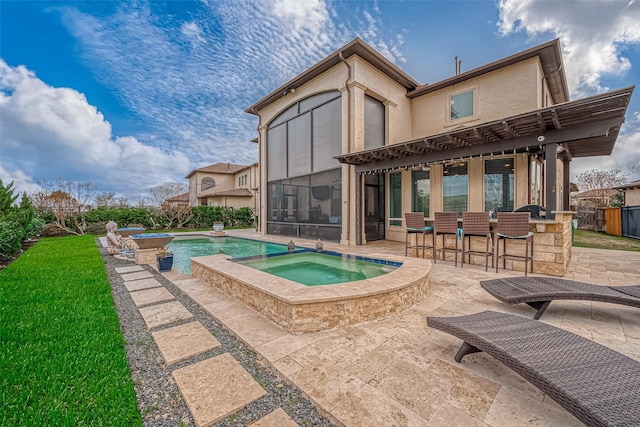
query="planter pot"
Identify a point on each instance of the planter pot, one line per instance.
(218, 226)
(165, 263)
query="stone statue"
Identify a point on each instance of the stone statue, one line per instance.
(112, 240)
(319, 246)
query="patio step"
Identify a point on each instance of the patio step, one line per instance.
(181, 342)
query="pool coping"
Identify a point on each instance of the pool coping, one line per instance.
(301, 308)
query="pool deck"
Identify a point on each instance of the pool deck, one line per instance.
(397, 371)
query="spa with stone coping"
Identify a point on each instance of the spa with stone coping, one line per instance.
(300, 308)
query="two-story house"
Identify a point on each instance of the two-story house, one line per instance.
(224, 184)
(352, 143)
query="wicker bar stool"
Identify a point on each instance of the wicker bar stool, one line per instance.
(477, 224)
(414, 222)
(445, 223)
(514, 226)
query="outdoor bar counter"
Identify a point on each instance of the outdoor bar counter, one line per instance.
(551, 245)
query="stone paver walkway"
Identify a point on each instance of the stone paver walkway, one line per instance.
(213, 388)
(397, 371)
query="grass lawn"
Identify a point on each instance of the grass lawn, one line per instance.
(598, 240)
(62, 354)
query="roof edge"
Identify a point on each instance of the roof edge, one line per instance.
(355, 47)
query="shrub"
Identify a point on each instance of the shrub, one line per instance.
(34, 229)
(11, 234)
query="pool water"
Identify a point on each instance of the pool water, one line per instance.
(313, 269)
(184, 248)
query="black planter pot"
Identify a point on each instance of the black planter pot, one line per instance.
(165, 263)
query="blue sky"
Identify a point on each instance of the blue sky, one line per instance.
(128, 96)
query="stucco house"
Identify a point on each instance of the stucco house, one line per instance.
(224, 184)
(631, 193)
(352, 143)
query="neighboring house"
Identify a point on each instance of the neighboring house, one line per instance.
(179, 200)
(631, 193)
(600, 198)
(224, 184)
(352, 143)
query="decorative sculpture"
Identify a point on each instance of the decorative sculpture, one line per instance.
(291, 246)
(112, 241)
(319, 246)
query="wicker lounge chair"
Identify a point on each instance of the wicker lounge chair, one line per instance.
(538, 292)
(599, 386)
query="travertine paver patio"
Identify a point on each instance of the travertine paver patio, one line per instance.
(138, 285)
(216, 388)
(163, 314)
(150, 296)
(183, 341)
(277, 418)
(397, 371)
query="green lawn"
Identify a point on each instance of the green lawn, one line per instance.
(62, 353)
(599, 240)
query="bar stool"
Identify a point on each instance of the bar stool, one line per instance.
(477, 224)
(414, 222)
(446, 223)
(514, 226)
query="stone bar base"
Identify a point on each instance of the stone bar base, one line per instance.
(551, 246)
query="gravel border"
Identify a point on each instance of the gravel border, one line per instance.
(159, 400)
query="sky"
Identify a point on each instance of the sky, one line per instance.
(132, 95)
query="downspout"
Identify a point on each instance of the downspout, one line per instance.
(346, 85)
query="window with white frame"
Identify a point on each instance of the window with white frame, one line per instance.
(461, 105)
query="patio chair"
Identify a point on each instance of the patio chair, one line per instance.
(514, 226)
(538, 292)
(446, 223)
(597, 385)
(414, 222)
(476, 224)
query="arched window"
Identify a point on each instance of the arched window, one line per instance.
(207, 183)
(305, 137)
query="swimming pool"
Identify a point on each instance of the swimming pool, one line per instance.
(186, 247)
(314, 269)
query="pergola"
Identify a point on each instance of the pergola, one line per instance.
(583, 128)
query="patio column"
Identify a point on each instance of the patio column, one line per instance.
(565, 183)
(550, 171)
(358, 201)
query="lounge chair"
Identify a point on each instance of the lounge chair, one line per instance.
(599, 386)
(538, 292)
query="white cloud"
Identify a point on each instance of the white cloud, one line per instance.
(593, 35)
(311, 15)
(53, 132)
(192, 31)
(21, 182)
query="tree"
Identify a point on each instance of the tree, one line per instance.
(172, 210)
(598, 185)
(68, 201)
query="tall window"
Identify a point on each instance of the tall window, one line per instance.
(373, 123)
(305, 137)
(461, 105)
(499, 184)
(420, 191)
(395, 198)
(455, 188)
